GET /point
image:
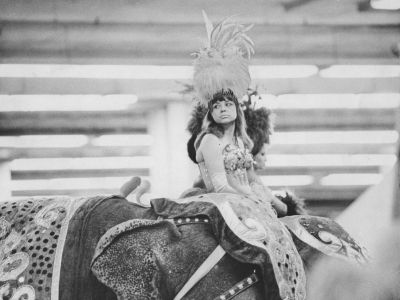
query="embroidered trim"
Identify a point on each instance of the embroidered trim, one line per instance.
(239, 287)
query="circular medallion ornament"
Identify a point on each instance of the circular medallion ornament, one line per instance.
(48, 214)
(24, 292)
(13, 265)
(333, 241)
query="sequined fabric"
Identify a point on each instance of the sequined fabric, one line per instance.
(236, 159)
(29, 234)
(236, 163)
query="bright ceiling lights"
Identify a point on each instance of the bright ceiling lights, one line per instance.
(43, 141)
(123, 140)
(361, 71)
(75, 141)
(96, 183)
(155, 72)
(326, 160)
(287, 180)
(335, 137)
(66, 102)
(88, 163)
(141, 71)
(116, 102)
(331, 101)
(385, 4)
(283, 71)
(95, 71)
(351, 179)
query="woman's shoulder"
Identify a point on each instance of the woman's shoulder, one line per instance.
(210, 140)
(209, 144)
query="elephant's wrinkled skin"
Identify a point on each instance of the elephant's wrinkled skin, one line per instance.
(173, 255)
(156, 262)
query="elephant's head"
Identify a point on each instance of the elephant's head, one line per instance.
(143, 259)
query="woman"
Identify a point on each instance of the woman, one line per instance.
(223, 152)
(223, 148)
(259, 129)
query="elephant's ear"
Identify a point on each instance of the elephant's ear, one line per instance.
(125, 261)
(326, 236)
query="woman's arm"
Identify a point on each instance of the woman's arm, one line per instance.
(265, 193)
(211, 151)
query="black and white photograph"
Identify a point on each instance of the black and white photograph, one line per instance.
(199, 150)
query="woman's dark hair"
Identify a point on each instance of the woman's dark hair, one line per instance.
(191, 149)
(194, 127)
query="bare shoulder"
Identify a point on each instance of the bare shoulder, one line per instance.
(211, 141)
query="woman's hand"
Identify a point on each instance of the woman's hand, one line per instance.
(264, 193)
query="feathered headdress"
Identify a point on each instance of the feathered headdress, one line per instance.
(223, 64)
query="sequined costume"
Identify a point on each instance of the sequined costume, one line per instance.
(285, 259)
(236, 162)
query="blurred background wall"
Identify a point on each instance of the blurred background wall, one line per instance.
(91, 93)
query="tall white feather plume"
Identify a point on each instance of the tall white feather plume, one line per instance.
(209, 26)
(224, 63)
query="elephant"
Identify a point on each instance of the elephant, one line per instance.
(105, 247)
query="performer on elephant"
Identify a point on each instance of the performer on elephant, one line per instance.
(221, 79)
(223, 153)
(231, 140)
(259, 128)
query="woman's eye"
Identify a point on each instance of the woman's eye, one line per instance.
(216, 106)
(229, 104)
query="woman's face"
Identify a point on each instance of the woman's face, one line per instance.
(224, 112)
(261, 157)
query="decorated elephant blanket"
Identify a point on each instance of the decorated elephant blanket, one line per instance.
(249, 231)
(32, 232)
(46, 245)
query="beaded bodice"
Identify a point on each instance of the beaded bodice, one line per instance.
(236, 162)
(236, 158)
